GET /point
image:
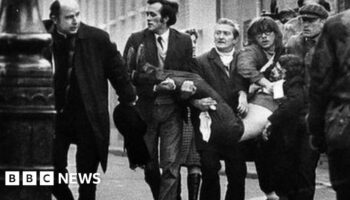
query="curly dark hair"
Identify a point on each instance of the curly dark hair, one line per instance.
(262, 25)
(169, 9)
(266, 24)
(293, 64)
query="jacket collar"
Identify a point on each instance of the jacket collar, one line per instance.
(171, 45)
(81, 34)
(150, 44)
(214, 56)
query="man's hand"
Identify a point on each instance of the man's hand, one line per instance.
(166, 85)
(266, 84)
(242, 107)
(204, 104)
(266, 132)
(318, 143)
(187, 89)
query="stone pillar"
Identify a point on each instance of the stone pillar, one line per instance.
(27, 109)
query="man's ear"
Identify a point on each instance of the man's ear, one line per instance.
(165, 20)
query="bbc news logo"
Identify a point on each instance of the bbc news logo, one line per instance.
(46, 178)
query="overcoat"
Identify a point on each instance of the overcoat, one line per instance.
(97, 60)
(210, 67)
(330, 77)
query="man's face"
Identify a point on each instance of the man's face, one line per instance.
(155, 22)
(223, 37)
(69, 19)
(312, 26)
(266, 39)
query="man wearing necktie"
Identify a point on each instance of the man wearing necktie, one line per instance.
(164, 48)
(218, 68)
(84, 59)
(313, 17)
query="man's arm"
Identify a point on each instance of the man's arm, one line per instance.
(247, 65)
(116, 72)
(321, 73)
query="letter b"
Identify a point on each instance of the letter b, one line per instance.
(12, 178)
(29, 178)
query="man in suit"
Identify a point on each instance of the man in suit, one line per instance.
(164, 48)
(84, 59)
(218, 68)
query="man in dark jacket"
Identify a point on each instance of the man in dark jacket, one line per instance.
(313, 18)
(84, 59)
(218, 68)
(164, 48)
(329, 100)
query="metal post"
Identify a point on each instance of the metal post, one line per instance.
(26, 99)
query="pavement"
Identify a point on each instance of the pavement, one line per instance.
(122, 183)
(322, 177)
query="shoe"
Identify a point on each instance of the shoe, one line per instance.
(272, 196)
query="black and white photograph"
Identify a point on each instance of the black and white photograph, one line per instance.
(174, 99)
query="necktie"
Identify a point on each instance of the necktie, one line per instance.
(160, 41)
(227, 69)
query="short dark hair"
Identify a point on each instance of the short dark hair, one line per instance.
(293, 64)
(169, 9)
(55, 9)
(230, 23)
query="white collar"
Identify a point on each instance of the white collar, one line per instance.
(165, 36)
(225, 54)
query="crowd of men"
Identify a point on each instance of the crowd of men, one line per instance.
(310, 116)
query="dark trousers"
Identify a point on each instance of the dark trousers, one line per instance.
(306, 176)
(265, 154)
(293, 163)
(166, 126)
(75, 128)
(262, 154)
(235, 171)
(339, 168)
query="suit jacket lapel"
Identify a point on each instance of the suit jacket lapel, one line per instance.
(171, 47)
(217, 61)
(150, 48)
(233, 62)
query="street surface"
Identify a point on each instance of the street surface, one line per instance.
(122, 183)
